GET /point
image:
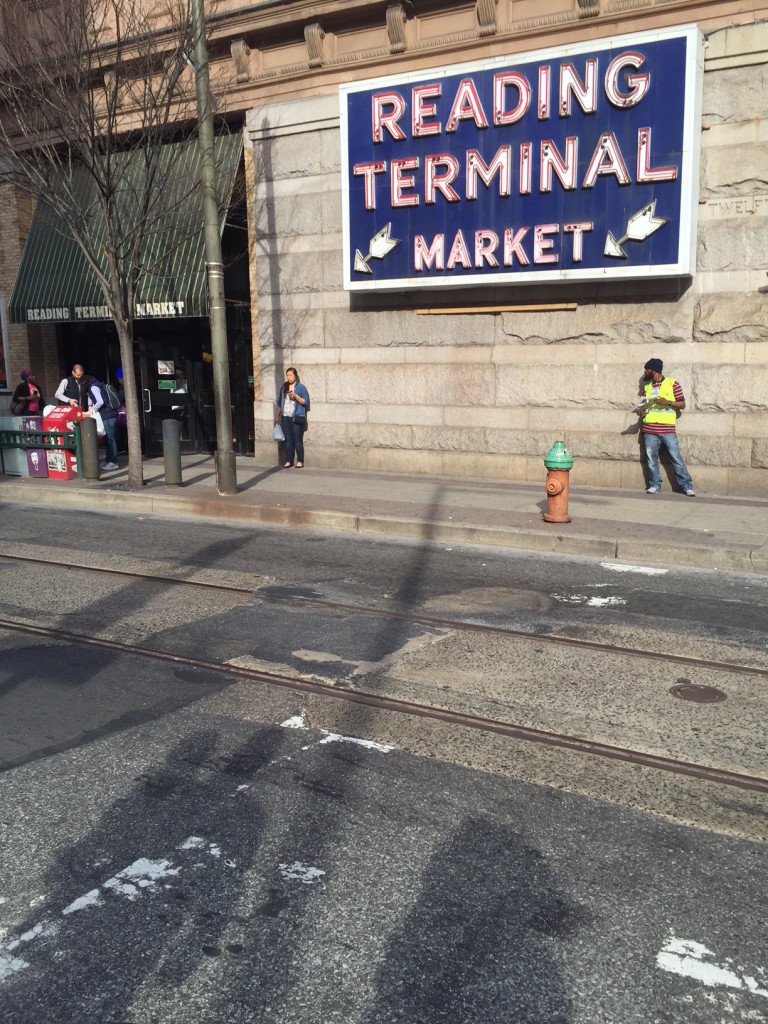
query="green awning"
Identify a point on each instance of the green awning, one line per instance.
(55, 284)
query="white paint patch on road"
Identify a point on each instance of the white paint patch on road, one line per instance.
(592, 602)
(301, 872)
(10, 965)
(142, 874)
(691, 959)
(645, 570)
(297, 722)
(197, 843)
(334, 737)
(319, 657)
(192, 843)
(91, 899)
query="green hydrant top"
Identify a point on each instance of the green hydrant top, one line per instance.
(558, 457)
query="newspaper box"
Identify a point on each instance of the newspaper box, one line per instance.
(14, 459)
(62, 465)
(37, 464)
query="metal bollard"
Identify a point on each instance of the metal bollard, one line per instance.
(90, 447)
(172, 451)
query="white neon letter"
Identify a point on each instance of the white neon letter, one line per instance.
(368, 171)
(523, 86)
(486, 244)
(607, 159)
(422, 110)
(426, 256)
(565, 169)
(459, 253)
(544, 77)
(542, 244)
(381, 118)
(513, 246)
(571, 85)
(526, 168)
(440, 182)
(466, 107)
(400, 181)
(478, 168)
(577, 229)
(638, 84)
(644, 170)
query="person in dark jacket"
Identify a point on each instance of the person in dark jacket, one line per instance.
(73, 390)
(28, 396)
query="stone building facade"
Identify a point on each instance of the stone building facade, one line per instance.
(481, 382)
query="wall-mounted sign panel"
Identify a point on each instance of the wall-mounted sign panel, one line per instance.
(579, 163)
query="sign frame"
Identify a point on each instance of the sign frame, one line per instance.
(683, 265)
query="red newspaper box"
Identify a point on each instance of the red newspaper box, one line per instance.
(36, 460)
(62, 465)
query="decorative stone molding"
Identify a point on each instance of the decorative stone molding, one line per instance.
(485, 11)
(589, 8)
(396, 21)
(241, 57)
(314, 36)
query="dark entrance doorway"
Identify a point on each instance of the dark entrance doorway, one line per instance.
(174, 372)
(173, 387)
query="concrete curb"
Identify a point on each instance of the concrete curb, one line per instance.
(178, 505)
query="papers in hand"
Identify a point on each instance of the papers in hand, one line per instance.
(645, 402)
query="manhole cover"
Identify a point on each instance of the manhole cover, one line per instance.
(686, 690)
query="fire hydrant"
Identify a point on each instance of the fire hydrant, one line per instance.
(558, 463)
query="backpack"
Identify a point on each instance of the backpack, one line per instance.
(111, 397)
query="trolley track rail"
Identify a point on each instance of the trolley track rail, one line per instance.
(410, 708)
(417, 618)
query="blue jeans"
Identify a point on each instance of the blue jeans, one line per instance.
(652, 442)
(109, 429)
(294, 439)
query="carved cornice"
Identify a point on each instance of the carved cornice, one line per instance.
(241, 57)
(314, 36)
(485, 11)
(398, 32)
(589, 8)
(396, 21)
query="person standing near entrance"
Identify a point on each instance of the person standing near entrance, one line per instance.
(27, 397)
(68, 392)
(293, 406)
(663, 400)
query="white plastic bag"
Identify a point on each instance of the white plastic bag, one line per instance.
(99, 422)
(277, 433)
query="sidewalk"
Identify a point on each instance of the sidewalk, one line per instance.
(704, 532)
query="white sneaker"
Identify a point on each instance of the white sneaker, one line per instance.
(653, 490)
(690, 493)
(108, 465)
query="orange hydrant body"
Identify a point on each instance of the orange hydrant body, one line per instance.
(558, 463)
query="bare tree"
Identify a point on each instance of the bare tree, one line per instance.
(91, 92)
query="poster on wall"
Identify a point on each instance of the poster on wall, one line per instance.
(575, 163)
(4, 368)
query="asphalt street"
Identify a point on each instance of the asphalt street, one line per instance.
(179, 844)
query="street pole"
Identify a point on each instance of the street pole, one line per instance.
(226, 471)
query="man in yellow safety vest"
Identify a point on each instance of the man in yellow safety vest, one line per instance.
(663, 400)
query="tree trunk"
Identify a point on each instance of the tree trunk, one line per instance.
(132, 398)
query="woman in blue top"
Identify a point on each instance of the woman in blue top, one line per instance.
(293, 404)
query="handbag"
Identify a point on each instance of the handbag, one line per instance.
(277, 433)
(18, 408)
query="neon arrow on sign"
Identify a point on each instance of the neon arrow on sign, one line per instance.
(381, 245)
(641, 225)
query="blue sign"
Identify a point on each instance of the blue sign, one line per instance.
(573, 164)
